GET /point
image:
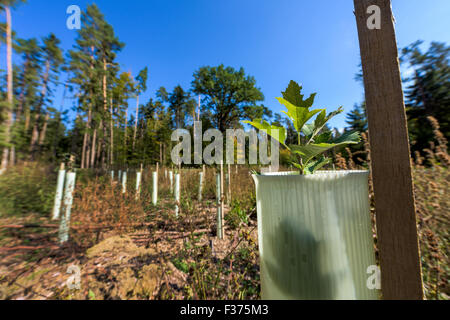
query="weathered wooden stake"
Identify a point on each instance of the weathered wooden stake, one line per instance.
(391, 166)
(200, 187)
(177, 194)
(219, 206)
(155, 188)
(222, 195)
(229, 184)
(59, 192)
(64, 225)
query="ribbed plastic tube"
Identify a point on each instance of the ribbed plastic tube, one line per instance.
(315, 237)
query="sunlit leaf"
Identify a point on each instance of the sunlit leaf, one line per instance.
(298, 115)
(277, 133)
(308, 152)
(312, 166)
(294, 96)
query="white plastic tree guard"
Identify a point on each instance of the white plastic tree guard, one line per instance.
(138, 184)
(171, 181)
(64, 225)
(124, 182)
(315, 235)
(200, 186)
(58, 194)
(177, 194)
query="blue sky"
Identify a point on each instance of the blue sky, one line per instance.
(312, 42)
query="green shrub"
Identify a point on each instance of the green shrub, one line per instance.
(27, 189)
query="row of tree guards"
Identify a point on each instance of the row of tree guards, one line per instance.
(65, 188)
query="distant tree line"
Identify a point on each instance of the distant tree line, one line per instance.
(427, 93)
(35, 127)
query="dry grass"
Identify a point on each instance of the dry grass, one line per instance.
(188, 261)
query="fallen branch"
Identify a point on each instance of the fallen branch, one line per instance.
(29, 248)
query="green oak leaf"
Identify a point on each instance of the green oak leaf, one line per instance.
(312, 166)
(321, 120)
(309, 151)
(294, 96)
(299, 116)
(269, 129)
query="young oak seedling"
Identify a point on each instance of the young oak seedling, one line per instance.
(313, 142)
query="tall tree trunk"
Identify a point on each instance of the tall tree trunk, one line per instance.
(22, 93)
(111, 145)
(12, 156)
(105, 110)
(43, 131)
(136, 121)
(58, 123)
(37, 117)
(125, 137)
(9, 118)
(94, 137)
(27, 120)
(85, 151)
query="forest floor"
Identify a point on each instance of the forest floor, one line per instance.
(126, 248)
(164, 259)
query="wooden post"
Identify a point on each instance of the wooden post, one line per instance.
(229, 185)
(391, 167)
(222, 196)
(219, 206)
(155, 188)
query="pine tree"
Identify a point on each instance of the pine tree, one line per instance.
(356, 118)
(141, 86)
(52, 59)
(92, 59)
(6, 5)
(180, 105)
(428, 91)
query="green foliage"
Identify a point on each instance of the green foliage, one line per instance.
(141, 81)
(229, 95)
(25, 190)
(427, 91)
(312, 141)
(236, 215)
